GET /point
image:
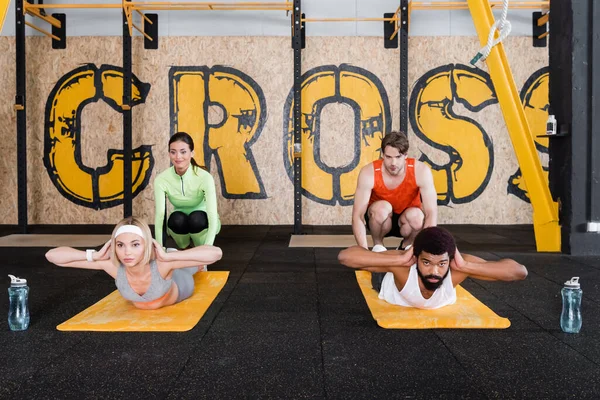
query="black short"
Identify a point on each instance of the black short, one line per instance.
(395, 231)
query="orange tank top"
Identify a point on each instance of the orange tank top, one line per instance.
(404, 196)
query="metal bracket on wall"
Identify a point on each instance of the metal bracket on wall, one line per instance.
(390, 30)
(150, 30)
(539, 28)
(19, 103)
(297, 150)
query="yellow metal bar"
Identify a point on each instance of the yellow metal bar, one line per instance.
(397, 21)
(51, 6)
(463, 5)
(440, 5)
(140, 30)
(347, 19)
(245, 3)
(36, 13)
(3, 11)
(164, 5)
(206, 3)
(545, 211)
(146, 19)
(29, 24)
(395, 32)
(208, 8)
(242, 5)
(543, 20)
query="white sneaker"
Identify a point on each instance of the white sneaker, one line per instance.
(378, 248)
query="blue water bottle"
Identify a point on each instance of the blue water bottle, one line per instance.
(18, 311)
(570, 318)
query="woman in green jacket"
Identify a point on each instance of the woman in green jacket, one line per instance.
(191, 191)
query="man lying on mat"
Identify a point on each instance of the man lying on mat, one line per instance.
(426, 274)
(144, 273)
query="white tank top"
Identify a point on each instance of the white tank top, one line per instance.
(410, 295)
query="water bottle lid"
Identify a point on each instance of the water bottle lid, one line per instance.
(14, 281)
(573, 283)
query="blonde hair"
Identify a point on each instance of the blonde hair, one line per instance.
(148, 247)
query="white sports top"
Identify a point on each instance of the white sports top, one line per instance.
(410, 295)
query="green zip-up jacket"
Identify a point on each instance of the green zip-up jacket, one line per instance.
(192, 191)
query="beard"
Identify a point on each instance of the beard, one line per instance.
(432, 285)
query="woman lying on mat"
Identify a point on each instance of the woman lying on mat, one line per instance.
(144, 273)
(425, 275)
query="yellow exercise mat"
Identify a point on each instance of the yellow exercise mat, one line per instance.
(32, 240)
(466, 313)
(338, 241)
(114, 313)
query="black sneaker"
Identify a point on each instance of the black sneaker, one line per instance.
(401, 245)
(376, 280)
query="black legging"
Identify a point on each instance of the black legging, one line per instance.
(183, 224)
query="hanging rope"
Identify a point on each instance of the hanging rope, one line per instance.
(503, 27)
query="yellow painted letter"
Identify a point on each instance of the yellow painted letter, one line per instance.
(242, 103)
(365, 94)
(469, 148)
(102, 187)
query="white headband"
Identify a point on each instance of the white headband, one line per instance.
(130, 229)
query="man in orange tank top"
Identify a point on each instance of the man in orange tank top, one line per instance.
(395, 195)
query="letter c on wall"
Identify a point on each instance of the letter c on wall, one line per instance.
(102, 187)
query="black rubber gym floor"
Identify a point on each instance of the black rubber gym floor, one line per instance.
(292, 323)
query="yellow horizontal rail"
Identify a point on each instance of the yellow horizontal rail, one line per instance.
(391, 19)
(182, 3)
(28, 5)
(165, 5)
(439, 5)
(464, 5)
(128, 7)
(210, 8)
